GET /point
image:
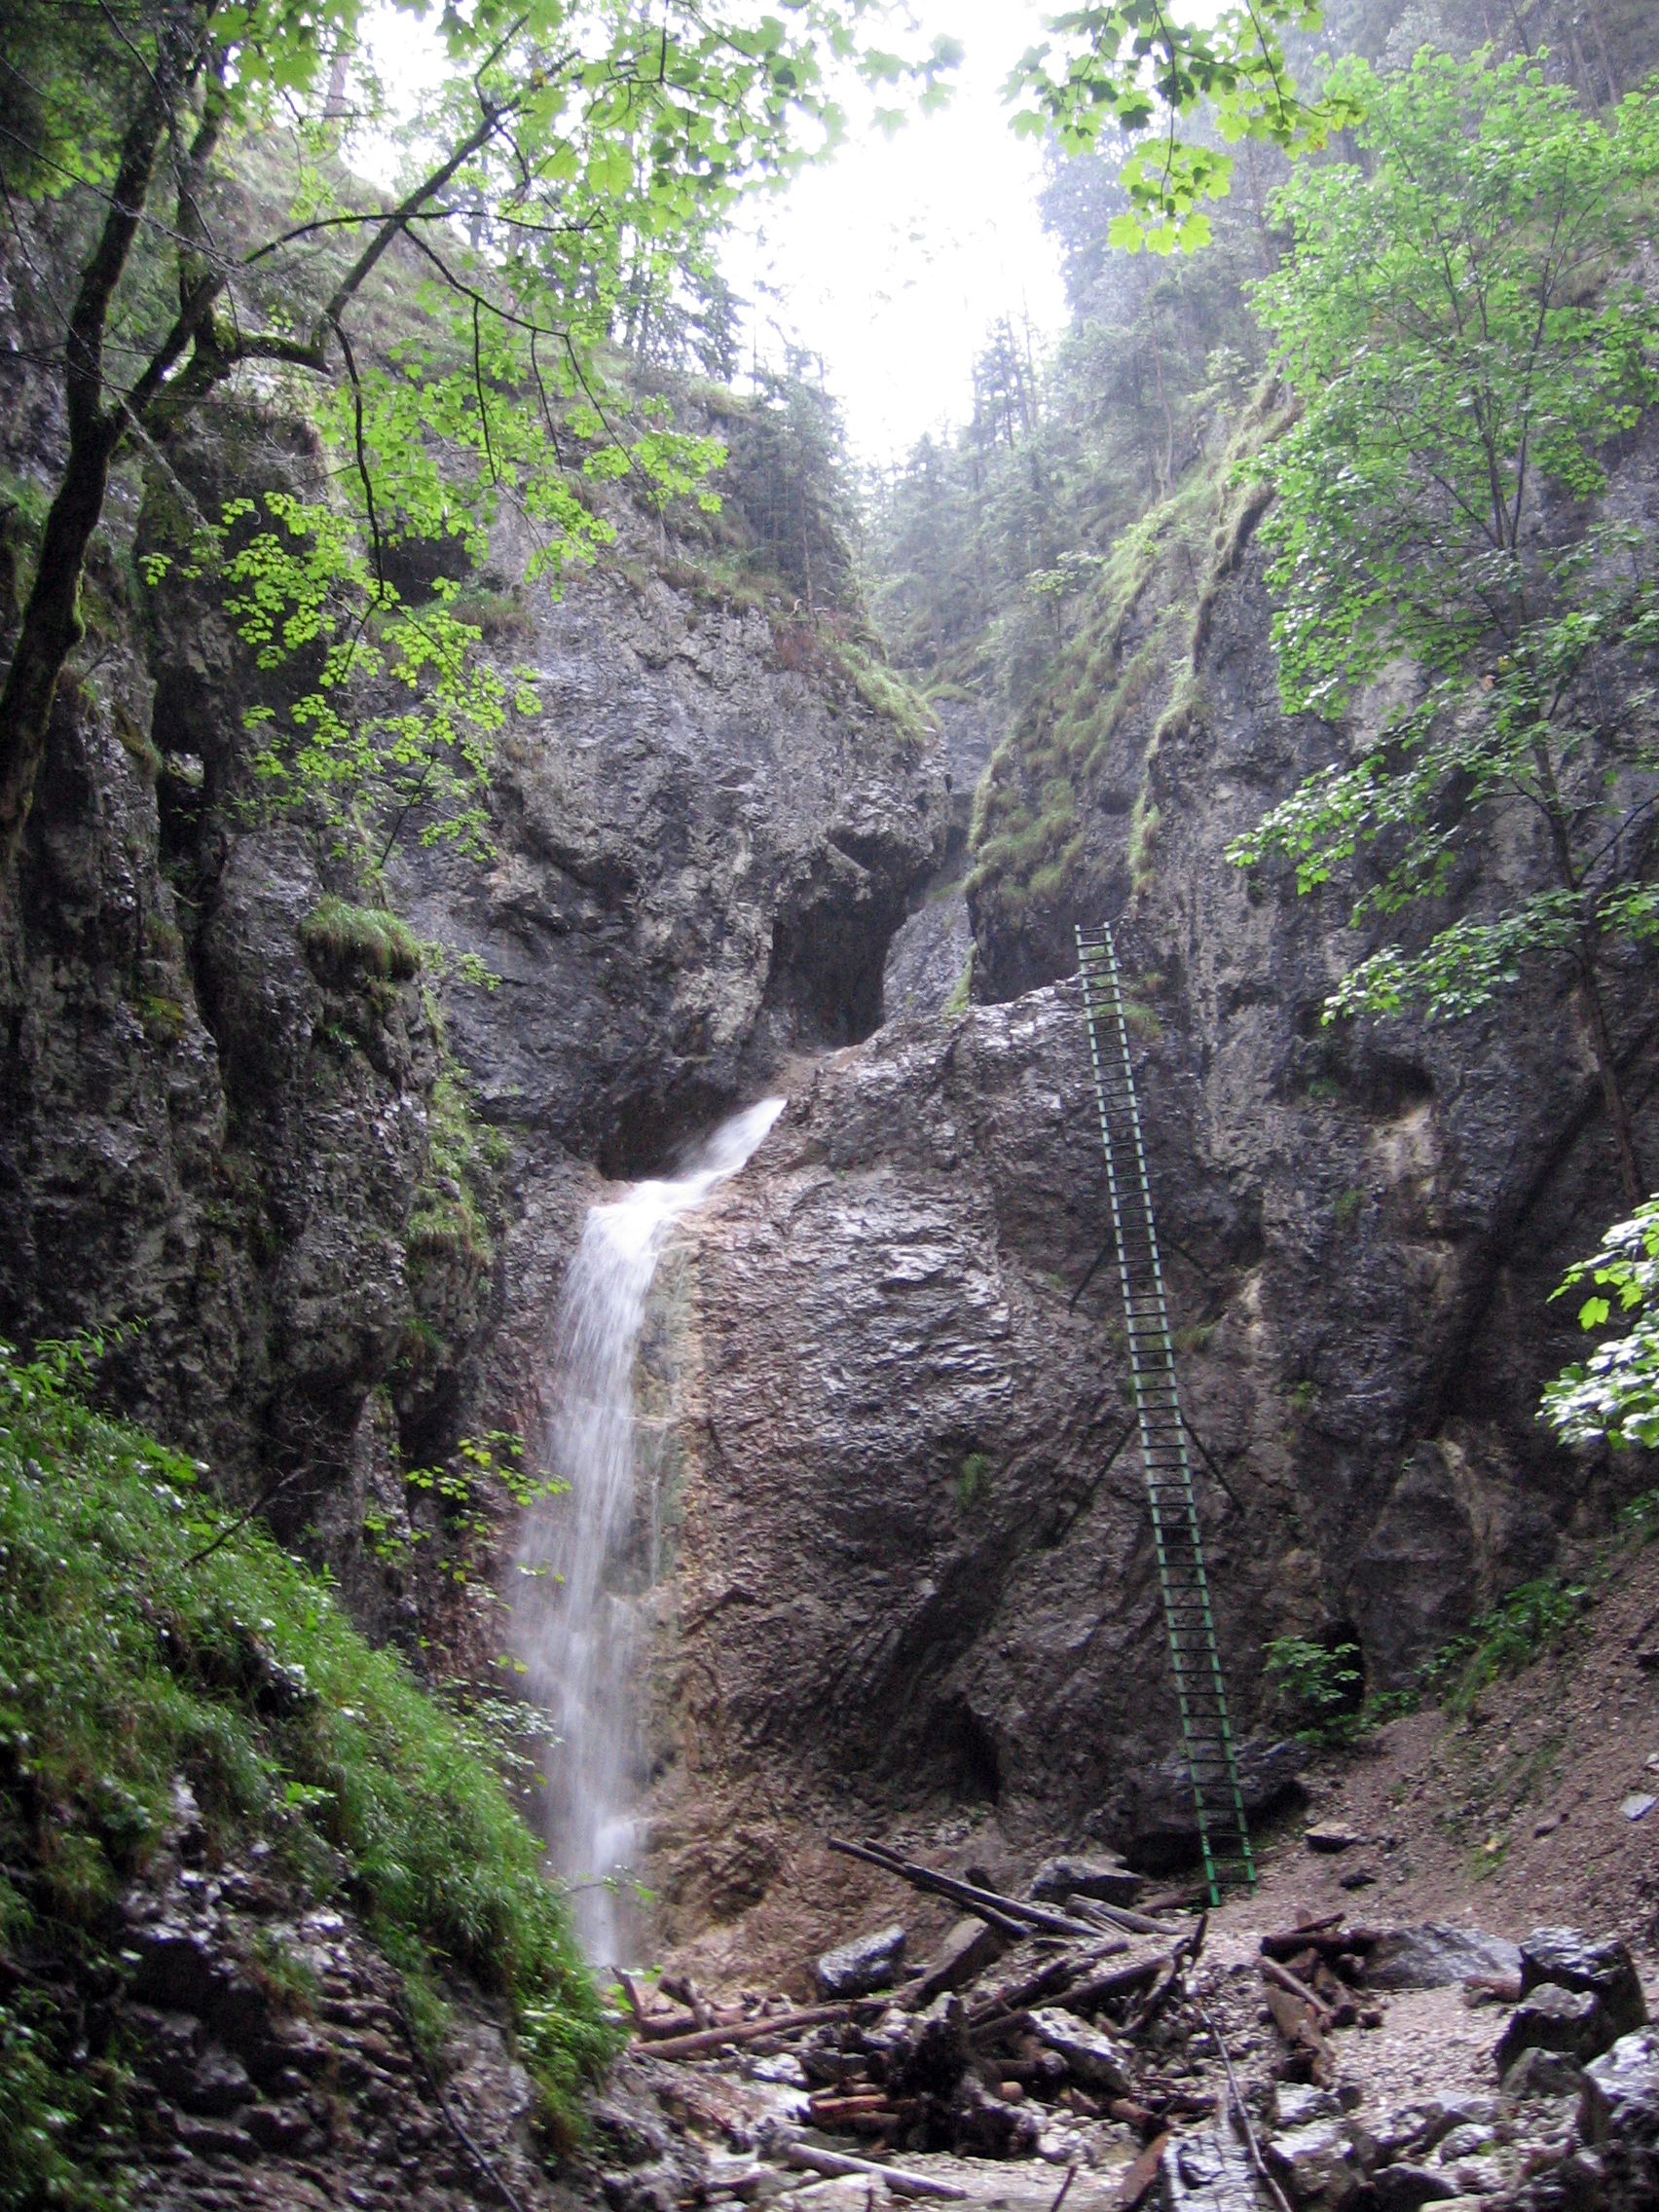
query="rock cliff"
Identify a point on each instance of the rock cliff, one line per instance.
(914, 1561)
(909, 1554)
(247, 1139)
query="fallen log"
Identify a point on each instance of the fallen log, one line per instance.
(1140, 2178)
(755, 2031)
(1329, 1942)
(1119, 1916)
(1084, 1996)
(686, 1989)
(1048, 1981)
(808, 2158)
(1182, 1955)
(656, 2026)
(1015, 1916)
(825, 2110)
(1297, 2022)
(1272, 1970)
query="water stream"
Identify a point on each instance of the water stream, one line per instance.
(573, 1629)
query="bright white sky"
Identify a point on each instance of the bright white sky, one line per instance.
(893, 260)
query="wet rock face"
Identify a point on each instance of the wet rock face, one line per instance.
(702, 854)
(194, 1133)
(267, 2034)
(927, 962)
(913, 1549)
(1417, 1191)
(1601, 1965)
(1620, 2118)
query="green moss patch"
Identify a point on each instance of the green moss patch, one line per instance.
(143, 1639)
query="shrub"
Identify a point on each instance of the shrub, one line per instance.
(1320, 1685)
(1535, 1618)
(972, 1480)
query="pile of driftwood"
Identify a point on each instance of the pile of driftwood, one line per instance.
(1312, 1978)
(1039, 2011)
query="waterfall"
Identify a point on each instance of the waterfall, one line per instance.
(574, 1634)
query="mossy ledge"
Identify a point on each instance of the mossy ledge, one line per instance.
(345, 944)
(147, 1639)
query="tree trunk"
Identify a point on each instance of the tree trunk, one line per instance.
(52, 630)
(51, 625)
(1607, 1067)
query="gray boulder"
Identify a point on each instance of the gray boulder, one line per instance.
(1089, 2053)
(1432, 1956)
(1601, 1964)
(871, 1962)
(1541, 2072)
(1405, 2187)
(1152, 1820)
(1107, 1879)
(1568, 2020)
(1295, 2104)
(1315, 2163)
(971, 1946)
(1619, 2119)
(1208, 2171)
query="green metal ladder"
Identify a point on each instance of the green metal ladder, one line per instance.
(1205, 1737)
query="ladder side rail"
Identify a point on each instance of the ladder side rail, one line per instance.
(1160, 1546)
(1182, 1579)
(1143, 1410)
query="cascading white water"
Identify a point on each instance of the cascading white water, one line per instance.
(573, 1634)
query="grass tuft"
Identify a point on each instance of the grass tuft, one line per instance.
(345, 943)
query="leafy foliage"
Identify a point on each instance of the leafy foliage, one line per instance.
(1613, 1396)
(1319, 1685)
(1461, 320)
(1464, 328)
(347, 941)
(1133, 62)
(140, 1640)
(569, 164)
(1533, 1618)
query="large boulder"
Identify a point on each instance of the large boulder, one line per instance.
(1316, 2164)
(867, 1963)
(1619, 2117)
(1433, 1956)
(1601, 1964)
(1566, 2020)
(1107, 1879)
(1151, 1816)
(1089, 2053)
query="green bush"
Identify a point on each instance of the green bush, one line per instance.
(135, 1647)
(462, 1152)
(1319, 1686)
(972, 1480)
(1535, 1618)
